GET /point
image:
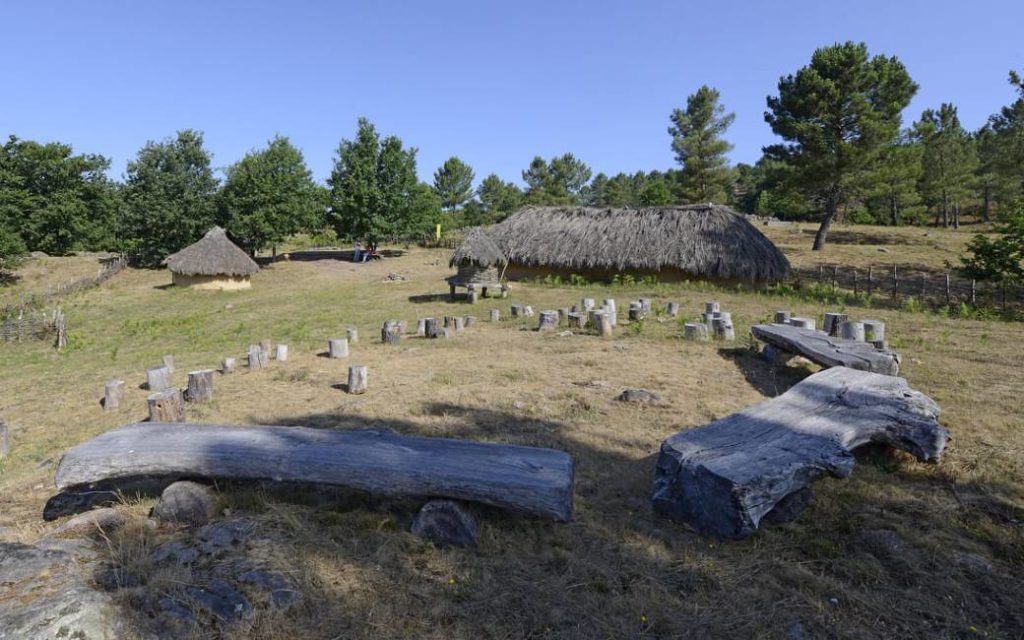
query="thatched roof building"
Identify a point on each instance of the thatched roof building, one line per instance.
(214, 262)
(478, 259)
(671, 243)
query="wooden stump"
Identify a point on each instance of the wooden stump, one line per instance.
(587, 304)
(782, 317)
(258, 358)
(504, 290)
(646, 305)
(200, 385)
(421, 327)
(60, 325)
(337, 348)
(548, 321)
(471, 294)
(167, 406)
(528, 311)
(459, 323)
(577, 319)
(357, 379)
(353, 335)
(281, 353)
(723, 329)
(432, 326)
(228, 366)
(832, 323)
(613, 313)
(852, 331)
(605, 325)
(158, 378)
(169, 363)
(672, 309)
(113, 392)
(695, 331)
(874, 331)
(265, 346)
(636, 312)
(710, 307)
(517, 310)
(803, 323)
(563, 314)
(495, 315)
(469, 321)
(391, 332)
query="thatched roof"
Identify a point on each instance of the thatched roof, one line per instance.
(710, 241)
(213, 255)
(478, 249)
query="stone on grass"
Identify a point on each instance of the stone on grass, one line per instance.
(446, 524)
(882, 542)
(186, 502)
(282, 594)
(973, 562)
(221, 601)
(97, 522)
(639, 396)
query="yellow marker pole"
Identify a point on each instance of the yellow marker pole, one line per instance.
(438, 232)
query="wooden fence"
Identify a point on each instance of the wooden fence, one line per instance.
(903, 283)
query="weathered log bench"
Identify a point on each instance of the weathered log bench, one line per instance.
(821, 348)
(526, 479)
(725, 477)
(473, 287)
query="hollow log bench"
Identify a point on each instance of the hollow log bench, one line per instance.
(530, 480)
(828, 351)
(725, 477)
(473, 287)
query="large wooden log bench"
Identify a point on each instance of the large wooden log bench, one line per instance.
(483, 287)
(725, 477)
(828, 351)
(526, 479)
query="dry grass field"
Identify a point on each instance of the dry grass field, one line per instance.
(615, 571)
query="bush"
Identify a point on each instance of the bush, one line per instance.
(12, 250)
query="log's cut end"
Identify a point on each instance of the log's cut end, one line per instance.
(723, 478)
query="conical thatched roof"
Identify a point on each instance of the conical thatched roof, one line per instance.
(710, 241)
(213, 255)
(478, 249)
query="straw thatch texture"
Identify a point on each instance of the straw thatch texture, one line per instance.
(708, 241)
(213, 255)
(479, 250)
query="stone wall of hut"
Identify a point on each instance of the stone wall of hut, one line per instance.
(475, 273)
(211, 283)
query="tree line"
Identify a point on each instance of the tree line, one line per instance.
(844, 152)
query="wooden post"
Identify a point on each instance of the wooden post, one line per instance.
(281, 353)
(895, 282)
(577, 319)
(563, 313)
(695, 331)
(548, 321)
(636, 312)
(200, 385)
(528, 311)
(832, 323)
(158, 378)
(353, 335)
(469, 321)
(874, 330)
(357, 379)
(605, 325)
(113, 391)
(432, 326)
(672, 309)
(265, 346)
(167, 406)
(257, 357)
(782, 317)
(711, 307)
(645, 305)
(169, 363)
(504, 290)
(804, 323)
(852, 331)
(855, 290)
(835, 275)
(974, 292)
(421, 327)
(613, 314)
(471, 293)
(495, 315)
(337, 348)
(819, 271)
(451, 293)
(587, 304)
(948, 300)
(870, 279)
(723, 328)
(60, 323)
(517, 310)
(228, 366)
(391, 332)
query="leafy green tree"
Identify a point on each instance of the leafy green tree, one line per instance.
(656, 193)
(169, 198)
(453, 182)
(12, 250)
(835, 115)
(993, 181)
(269, 195)
(375, 193)
(560, 181)
(999, 259)
(499, 199)
(949, 162)
(56, 201)
(699, 147)
(1008, 127)
(892, 185)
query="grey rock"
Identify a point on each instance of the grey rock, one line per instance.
(185, 502)
(282, 594)
(797, 631)
(221, 601)
(68, 503)
(175, 552)
(639, 396)
(882, 542)
(973, 562)
(220, 537)
(114, 578)
(446, 524)
(98, 522)
(177, 612)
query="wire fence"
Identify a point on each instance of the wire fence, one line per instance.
(902, 284)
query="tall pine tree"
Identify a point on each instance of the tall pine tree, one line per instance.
(699, 147)
(949, 162)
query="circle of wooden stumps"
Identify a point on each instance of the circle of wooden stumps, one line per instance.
(200, 386)
(337, 348)
(166, 406)
(357, 379)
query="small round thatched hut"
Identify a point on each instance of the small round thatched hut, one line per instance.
(670, 243)
(478, 260)
(212, 263)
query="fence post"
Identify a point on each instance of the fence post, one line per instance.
(948, 300)
(974, 292)
(870, 282)
(895, 282)
(835, 273)
(855, 281)
(819, 272)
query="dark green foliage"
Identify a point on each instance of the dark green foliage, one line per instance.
(835, 115)
(1008, 145)
(1000, 259)
(697, 142)
(269, 195)
(559, 182)
(12, 250)
(169, 198)
(375, 194)
(498, 199)
(656, 193)
(948, 163)
(891, 189)
(55, 201)
(453, 182)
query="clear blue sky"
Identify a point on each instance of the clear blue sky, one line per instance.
(492, 82)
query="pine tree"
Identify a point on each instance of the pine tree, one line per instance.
(949, 163)
(453, 182)
(699, 147)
